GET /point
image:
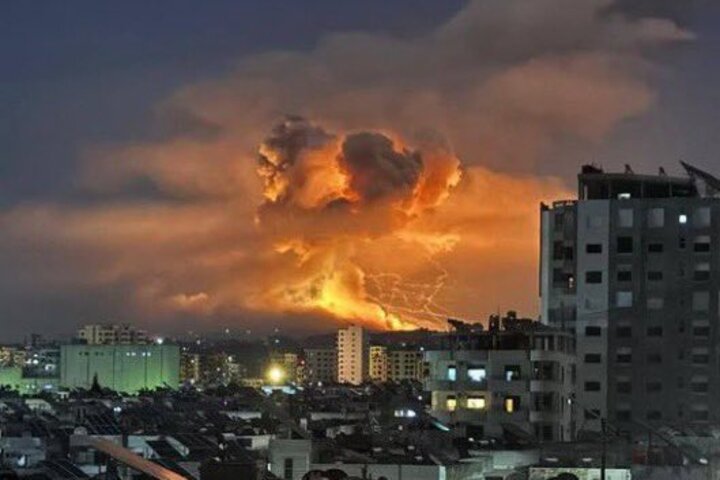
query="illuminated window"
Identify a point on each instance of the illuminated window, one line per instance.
(512, 372)
(476, 403)
(682, 219)
(452, 373)
(477, 374)
(451, 403)
(511, 404)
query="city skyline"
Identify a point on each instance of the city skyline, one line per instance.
(131, 193)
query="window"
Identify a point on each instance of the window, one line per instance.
(625, 217)
(654, 331)
(476, 403)
(593, 331)
(624, 356)
(655, 303)
(653, 387)
(655, 247)
(593, 277)
(624, 387)
(451, 403)
(624, 299)
(656, 217)
(702, 272)
(476, 374)
(593, 358)
(654, 358)
(452, 373)
(592, 386)
(700, 358)
(701, 301)
(288, 469)
(682, 219)
(699, 386)
(682, 242)
(623, 332)
(702, 244)
(624, 245)
(593, 248)
(512, 372)
(701, 330)
(701, 218)
(655, 276)
(558, 250)
(624, 273)
(511, 404)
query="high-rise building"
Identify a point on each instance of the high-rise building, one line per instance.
(378, 368)
(111, 334)
(123, 368)
(320, 365)
(404, 363)
(517, 375)
(633, 268)
(352, 355)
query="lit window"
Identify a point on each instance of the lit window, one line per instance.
(624, 196)
(451, 404)
(477, 374)
(624, 299)
(452, 373)
(511, 404)
(476, 403)
(656, 217)
(682, 219)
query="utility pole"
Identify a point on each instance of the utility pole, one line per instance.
(603, 457)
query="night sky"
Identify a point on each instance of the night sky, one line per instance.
(130, 132)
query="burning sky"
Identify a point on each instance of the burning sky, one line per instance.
(355, 207)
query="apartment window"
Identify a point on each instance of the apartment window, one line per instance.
(656, 217)
(512, 372)
(452, 373)
(558, 250)
(682, 242)
(451, 403)
(624, 273)
(624, 387)
(511, 404)
(623, 332)
(654, 358)
(702, 272)
(592, 248)
(682, 219)
(592, 386)
(625, 217)
(476, 403)
(624, 356)
(655, 331)
(701, 217)
(655, 303)
(654, 415)
(477, 374)
(701, 330)
(624, 299)
(593, 277)
(288, 469)
(593, 358)
(653, 387)
(655, 276)
(699, 386)
(701, 301)
(624, 245)
(702, 244)
(655, 247)
(593, 331)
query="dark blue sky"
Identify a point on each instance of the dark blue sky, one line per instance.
(81, 72)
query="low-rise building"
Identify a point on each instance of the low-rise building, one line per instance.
(517, 377)
(111, 334)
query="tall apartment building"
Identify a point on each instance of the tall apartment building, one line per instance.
(378, 368)
(112, 334)
(320, 365)
(519, 376)
(633, 268)
(352, 355)
(404, 363)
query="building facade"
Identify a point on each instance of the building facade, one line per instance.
(520, 375)
(320, 365)
(632, 267)
(352, 355)
(123, 368)
(404, 364)
(378, 368)
(111, 334)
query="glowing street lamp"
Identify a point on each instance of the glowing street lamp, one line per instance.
(275, 375)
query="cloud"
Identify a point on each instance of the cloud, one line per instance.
(358, 195)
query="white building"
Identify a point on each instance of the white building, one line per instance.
(111, 334)
(353, 355)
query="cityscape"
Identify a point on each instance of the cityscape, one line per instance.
(407, 240)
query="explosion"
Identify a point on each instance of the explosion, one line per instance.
(328, 197)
